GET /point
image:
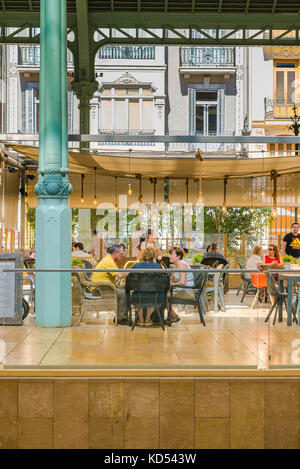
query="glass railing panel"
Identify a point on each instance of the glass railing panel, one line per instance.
(234, 335)
(284, 319)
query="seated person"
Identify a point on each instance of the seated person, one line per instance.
(255, 260)
(182, 279)
(147, 262)
(212, 251)
(150, 241)
(78, 251)
(114, 254)
(273, 256)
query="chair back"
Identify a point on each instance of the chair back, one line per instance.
(148, 286)
(210, 261)
(223, 275)
(198, 276)
(130, 264)
(259, 280)
(273, 289)
(29, 263)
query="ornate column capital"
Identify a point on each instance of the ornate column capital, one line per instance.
(84, 89)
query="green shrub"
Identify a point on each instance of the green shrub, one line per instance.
(76, 261)
(197, 259)
(287, 258)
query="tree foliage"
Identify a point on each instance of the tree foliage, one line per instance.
(237, 221)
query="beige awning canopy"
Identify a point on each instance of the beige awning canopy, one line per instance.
(172, 167)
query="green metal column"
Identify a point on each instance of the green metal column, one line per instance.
(53, 215)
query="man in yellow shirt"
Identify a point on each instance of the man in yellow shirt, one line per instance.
(114, 254)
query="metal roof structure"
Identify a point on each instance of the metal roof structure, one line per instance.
(237, 17)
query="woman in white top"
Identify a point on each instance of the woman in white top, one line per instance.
(181, 279)
(150, 242)
(255, 260)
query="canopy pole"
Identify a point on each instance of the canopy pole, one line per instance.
(53, 215)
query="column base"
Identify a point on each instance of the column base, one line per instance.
(53, 251)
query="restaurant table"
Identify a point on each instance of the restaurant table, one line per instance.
(290, 277)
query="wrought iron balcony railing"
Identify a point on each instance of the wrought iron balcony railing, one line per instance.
(280, 108)
(127, 52)
(207, 57)
(30, 55)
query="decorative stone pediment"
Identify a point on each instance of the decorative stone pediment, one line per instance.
(127, 79)
(281, 52)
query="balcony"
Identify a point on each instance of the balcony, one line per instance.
(221, 59)
(127, 52)
(30, 56)
(280, 108)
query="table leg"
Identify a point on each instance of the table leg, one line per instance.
(290, 305)
(281, 289)
(216, 278)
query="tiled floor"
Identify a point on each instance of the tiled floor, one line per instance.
(237, 337)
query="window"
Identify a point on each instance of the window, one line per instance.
(30, 108)
(281, 149)
(285, 76)
(126, 110)
(206, 114)
(31, 105)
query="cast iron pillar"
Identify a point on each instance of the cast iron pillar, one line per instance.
(53, 215)
(84, 91)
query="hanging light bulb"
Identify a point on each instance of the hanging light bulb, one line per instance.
(129, 189)
(200, 198)
(95, 201)
(274, 212)
(224, 208)
(262, 191)
(251, 210)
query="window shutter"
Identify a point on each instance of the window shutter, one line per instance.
(70, 111)
(221, 112)
(28, 110)
(192, 111)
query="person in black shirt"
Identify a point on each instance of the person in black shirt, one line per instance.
(288, 240)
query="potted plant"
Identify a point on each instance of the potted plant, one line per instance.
(287, 260)
(197, 259)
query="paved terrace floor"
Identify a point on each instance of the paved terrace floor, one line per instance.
(237, 337)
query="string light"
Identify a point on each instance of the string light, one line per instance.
(187, 196)
(116, 187)
(224, 208)
(95, 187)
(129, 185)
(251, 188)
(82, 198)
(274, 177)
(262, 189)
(200, 198)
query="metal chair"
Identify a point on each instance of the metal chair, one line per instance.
(280, 299)
(199, 282)
(95, 296)
(147, 290)
(259, 281)
(210, 288)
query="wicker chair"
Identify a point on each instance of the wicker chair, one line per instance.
(95, 296)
